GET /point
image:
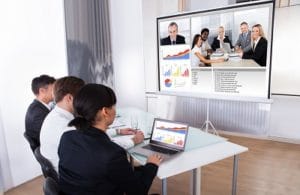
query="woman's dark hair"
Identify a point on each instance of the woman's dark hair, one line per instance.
(88, 101)
(195, 40)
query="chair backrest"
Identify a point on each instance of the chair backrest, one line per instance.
(33, 143)
(50, 187)
(47, 167)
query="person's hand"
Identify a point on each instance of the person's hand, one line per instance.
(237, 49)
(155, 159)
(209, 51)
(241, 54)
(138, 138)
(220, 60)
(127, 131)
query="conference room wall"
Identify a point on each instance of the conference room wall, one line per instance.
(32, 41)
(127, 52)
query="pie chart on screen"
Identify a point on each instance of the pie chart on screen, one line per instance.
(168, 83)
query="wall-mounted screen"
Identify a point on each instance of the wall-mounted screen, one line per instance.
(224, 51)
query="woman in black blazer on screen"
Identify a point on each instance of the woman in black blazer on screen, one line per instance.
(220, 39)
(259, 46)
(89, 162)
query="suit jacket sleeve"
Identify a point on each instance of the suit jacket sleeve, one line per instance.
(239, 41)
(216, 44)
(180, 39)
(259, 54)
(165, 41)
(227, 40)
(34, 120)
(131, 182)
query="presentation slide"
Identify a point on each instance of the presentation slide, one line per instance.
(225, 51)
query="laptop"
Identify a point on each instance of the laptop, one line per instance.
(167, 139)
(226, 47)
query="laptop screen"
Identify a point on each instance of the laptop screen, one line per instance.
(169, 133)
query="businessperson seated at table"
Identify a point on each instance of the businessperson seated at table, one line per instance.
(243, 42)
(259, 46)
(220, 40)
(38, 110)
(89, 162)
(56, 122)
(197, 58)
(173, 38)
(205, 47)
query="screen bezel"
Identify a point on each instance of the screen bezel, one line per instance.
(268, 67)
(169, 145)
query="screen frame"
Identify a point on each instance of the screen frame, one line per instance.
(229, 7)
(169, 145)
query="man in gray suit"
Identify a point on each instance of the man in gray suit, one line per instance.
(244, 41)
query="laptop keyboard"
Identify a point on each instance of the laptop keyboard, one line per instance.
(160, 149)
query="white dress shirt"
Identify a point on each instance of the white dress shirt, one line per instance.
(54, 125)
(195, 61)
(204, 47)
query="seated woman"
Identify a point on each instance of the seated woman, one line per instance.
(89, 162)
(220, 40)
(259, 46)
(197, 59)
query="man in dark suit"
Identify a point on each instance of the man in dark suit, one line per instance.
(37, 111)
(173, 37)
(244, 40)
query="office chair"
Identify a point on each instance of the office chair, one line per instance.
(33, 143)
(50, 187)
(47, 167)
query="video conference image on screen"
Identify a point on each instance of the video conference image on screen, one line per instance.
(226, 51)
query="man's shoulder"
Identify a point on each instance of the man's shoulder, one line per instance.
(55, 120)
(165, 41)
(180, 37)
(37, 107)
(264, 40)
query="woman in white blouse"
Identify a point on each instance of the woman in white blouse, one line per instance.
(197, 59)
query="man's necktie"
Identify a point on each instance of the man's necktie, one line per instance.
(173, 42)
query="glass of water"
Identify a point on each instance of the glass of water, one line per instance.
(134, 123)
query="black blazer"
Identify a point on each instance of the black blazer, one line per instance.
(35, 115)
(90, 163)
(167, 41)
(216, 43)
(260, 52)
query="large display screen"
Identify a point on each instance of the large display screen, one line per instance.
(224, 51)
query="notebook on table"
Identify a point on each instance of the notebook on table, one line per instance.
(167, 139)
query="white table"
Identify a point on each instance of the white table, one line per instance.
(205, 149)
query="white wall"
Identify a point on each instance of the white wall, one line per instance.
(32, 38)
(151, 10)
(201, 5)
(286, 47)
(285, 114)
(128, 55)
(3, 159)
